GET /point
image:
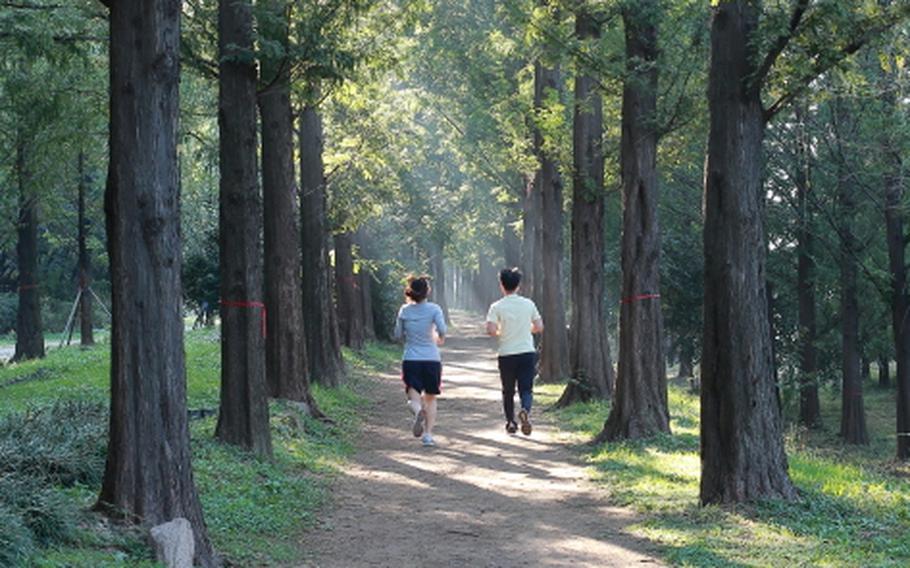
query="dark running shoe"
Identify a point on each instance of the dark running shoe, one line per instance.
(511, 427)
(419, 421)
(525, 422)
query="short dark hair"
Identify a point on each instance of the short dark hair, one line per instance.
(418, 288)
(510, 278)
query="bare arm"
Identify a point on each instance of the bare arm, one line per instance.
(492, 329)
(537, 326)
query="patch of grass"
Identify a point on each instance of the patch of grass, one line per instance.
(375, 356)
(854, 510)
(255, 509)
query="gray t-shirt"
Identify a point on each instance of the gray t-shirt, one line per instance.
(415, 324)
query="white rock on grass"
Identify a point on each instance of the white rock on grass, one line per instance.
(174, 544)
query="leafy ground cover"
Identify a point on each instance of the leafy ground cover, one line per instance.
(255, 509)
(854, 511)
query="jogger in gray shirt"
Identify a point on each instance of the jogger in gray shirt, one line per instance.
(422, 326)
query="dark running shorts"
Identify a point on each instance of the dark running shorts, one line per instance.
(422, 376)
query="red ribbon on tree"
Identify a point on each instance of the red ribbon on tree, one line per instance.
(639, 298)
(246, 304)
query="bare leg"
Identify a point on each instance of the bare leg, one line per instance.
(429, 406)
(414, 402)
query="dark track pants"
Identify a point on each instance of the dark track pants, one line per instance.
(518, 370)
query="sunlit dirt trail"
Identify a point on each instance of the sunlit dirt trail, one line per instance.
(480, 498)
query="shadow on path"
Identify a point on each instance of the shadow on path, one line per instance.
(481, 498)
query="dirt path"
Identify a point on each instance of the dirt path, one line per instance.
(481, 498)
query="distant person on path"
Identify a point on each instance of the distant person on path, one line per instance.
(513, 319)
(422, 326)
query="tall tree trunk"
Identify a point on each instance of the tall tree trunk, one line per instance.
(900, 302)
(286, 368)
(511, 241)
(350, 318)
(884, 375)
(530, 242)
(554, 356)
(640, 402)
(29, 332)
(809, 405)
(321, 326)
(742, 449)
(86, 335)
(365, 276)
(243, 419)
(900, 294)
(686, 366)
(853, 414)
(440, 289)
(148, 477)
(591, 367)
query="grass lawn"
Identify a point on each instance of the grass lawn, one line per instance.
(855, 507)
(255, 509)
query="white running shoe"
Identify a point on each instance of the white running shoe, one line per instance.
(428, 440)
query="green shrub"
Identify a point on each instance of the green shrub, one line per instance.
(46, 512)
(61, 444)
(16, 543)
(42, 450)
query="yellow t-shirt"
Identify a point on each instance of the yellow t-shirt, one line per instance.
(514, 314)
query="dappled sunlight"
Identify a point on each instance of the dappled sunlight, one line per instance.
(519, 497)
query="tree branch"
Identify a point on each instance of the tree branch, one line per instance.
(781, 42)
(822, 64)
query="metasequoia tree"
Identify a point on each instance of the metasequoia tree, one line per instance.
(29, 332)
(809, 404)
(287, 374)
(591, 367)
(350, 304)
(243, 418)
(323, 343)
(640, 401)
(86, 335)
(148, 477)
(853, 413)
(742, 449)
(548, 293)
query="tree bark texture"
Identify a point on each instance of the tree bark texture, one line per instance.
(900, 302)
(365, 284)
(554, 355)
(853, 414)
(243, 419)
(511, 241)
(320, 324)
(29, 331)
(440, 289)
(86, 332)
(530, 242)
(350, 317)
(884, 374)
(742, 450)
(640, 401)
(900, 295)
(591, 366)
(148, 477)
(809, 405)
(286, 368)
